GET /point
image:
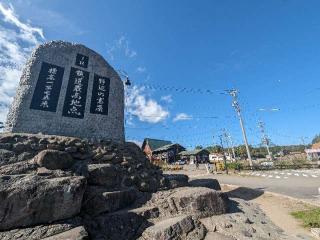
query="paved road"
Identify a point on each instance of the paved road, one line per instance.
(303, 184)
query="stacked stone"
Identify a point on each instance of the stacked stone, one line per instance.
(108, 163)
(44, 179)
(54, 187)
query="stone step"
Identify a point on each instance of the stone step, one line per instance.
(97, 200)
(181, 227)
(27, 200)
(198, 201)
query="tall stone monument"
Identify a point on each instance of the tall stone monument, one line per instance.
(67, 89)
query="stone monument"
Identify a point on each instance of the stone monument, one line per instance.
(68, 89)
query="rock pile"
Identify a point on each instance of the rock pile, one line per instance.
(54, 187)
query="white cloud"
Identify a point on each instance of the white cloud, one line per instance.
(141, 69)
(27, 32)
(182, 117)
(145, 108)
(16, 42)
(167, 98)
(121, 47)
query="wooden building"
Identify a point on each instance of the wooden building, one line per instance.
(168, 153)
(198, 155)
(149, 145)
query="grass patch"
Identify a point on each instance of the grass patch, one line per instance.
(310, 218)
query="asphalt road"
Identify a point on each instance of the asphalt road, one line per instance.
(302, 184)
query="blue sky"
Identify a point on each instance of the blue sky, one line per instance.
(268, 50)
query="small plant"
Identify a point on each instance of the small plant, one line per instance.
(310, 218)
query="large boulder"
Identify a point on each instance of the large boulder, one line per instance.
(41, 231)
(181, 227)
(103, 175)
(121, 225)
(6, 156)
(54, 159)
(198, 201)
(18, 168)
(206, 182)
(176, 180)
(27, 200)
(97, 200)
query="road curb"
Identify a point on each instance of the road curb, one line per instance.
(277, 195)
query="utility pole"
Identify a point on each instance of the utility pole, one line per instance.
(265, 139)
(229, 141)
(224, 156)
(303, 142)
(236, 106)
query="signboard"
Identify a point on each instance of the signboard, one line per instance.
(100, 95)
(82, 61)
(75, 100)
(47, 90)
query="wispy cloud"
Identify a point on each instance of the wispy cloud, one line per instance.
(146, 109)
(182, 117)
(141, 69)
(16, 42)
(167, 98)
(120, 46)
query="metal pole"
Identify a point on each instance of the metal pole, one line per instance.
(229, 141)
(245, 140)
(265, 139)
(235, 104)
(224, 157)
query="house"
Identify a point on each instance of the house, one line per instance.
(314, 152)
(168, 153)
(215, 157)
(149, 145)
(198, 155)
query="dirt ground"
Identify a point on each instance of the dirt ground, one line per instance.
(276, 207)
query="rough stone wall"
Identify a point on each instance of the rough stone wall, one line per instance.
(22, 119)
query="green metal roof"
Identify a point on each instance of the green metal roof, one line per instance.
(165, 147)
(193, 152)
(155, 143)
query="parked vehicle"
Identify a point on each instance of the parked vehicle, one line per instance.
(181, 162)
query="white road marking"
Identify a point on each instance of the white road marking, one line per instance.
(278, 177)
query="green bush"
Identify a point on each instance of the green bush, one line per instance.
(234, 166)
(310, 218)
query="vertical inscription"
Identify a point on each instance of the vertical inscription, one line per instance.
(47, 91)
(82, 61)
(75, 100)
(100, 95)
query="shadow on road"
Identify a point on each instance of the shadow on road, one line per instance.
(246, 193)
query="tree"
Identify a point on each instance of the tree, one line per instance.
(199, 147)
(316, 139)
(215, 149)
